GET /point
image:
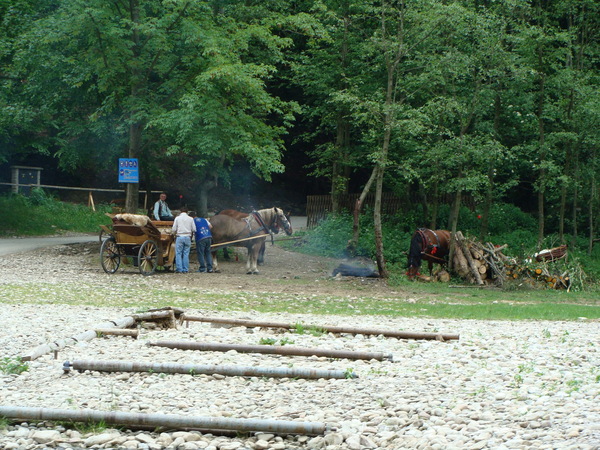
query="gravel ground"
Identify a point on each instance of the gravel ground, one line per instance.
(502, 385)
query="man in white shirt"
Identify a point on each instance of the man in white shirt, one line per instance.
(183, 228)
(161, 209)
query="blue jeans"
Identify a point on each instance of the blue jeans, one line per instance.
(204, 256)
(183, 244)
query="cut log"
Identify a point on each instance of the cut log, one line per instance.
(443, 276)
(474, 271)
(460, 262)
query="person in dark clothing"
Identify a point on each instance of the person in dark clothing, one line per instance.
(203, 243)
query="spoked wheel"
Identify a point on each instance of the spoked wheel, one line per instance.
(110, 256)
(148, 257)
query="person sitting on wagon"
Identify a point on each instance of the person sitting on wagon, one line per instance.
(161, 209)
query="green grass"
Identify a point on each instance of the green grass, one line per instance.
(419, 300)
(42, 215)
(13, 365)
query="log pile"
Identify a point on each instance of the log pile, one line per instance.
(479, 263)
(485, 264)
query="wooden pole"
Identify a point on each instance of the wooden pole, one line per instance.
(91, 201)
(221, 244)
(330, 329)
(164, 420)
(271, 350)
(117, 332)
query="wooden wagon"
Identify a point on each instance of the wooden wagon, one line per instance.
(147, 244)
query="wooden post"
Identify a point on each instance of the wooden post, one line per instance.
(91, 201)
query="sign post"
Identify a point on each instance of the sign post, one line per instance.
(129, 170)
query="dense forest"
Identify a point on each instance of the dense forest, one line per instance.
(431, 100)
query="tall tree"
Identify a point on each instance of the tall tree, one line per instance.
(122, 70)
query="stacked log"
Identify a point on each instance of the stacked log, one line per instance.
(477, 263)
(482, 264)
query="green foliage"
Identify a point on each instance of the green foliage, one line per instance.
(330, 238)
(41, 214)
(13, 365)
(312, 330)
(273, 341)
(90, 427)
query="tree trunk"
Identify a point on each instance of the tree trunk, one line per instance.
(454, 224)
(489, 197)
(132, 191)
(379, 253)
(593, 199)
(353, 242)
(203, 191)
(489, 192)
(542, 146)
(575, 206)
(340, 172)
(136, 126)
(435, 206)
(340, 169)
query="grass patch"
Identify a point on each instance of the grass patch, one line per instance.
(13, 365)
(42, 215)
(421, 301)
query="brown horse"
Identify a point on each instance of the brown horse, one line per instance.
(431, 245)
(250, 232)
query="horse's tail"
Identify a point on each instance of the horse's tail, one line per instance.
(414, 252)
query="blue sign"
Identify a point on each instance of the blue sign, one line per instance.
(128, 170)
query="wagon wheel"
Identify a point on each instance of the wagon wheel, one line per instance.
(148, 257)
(110, 255)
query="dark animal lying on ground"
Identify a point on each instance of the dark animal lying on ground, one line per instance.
(348, 270)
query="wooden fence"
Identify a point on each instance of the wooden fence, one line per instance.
(88, 191)
(318, 206)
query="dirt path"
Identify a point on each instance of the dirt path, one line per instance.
(284, 271)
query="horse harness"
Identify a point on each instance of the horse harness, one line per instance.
(427, 247)
(261, 223)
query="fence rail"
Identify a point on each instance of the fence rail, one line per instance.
(318, 206)
(90, 191)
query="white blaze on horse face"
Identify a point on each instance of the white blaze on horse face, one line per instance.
(284, 221)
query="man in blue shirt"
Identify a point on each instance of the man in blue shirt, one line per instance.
(203, 243)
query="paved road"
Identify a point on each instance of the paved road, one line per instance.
(16, 245)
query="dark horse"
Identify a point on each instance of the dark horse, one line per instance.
(250, 232)
(431, 245)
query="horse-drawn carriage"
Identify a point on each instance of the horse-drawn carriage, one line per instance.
(135, 238)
